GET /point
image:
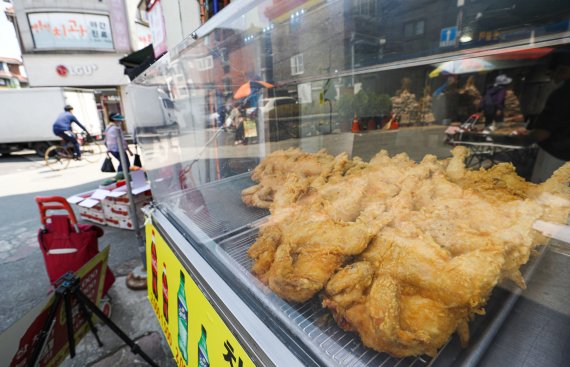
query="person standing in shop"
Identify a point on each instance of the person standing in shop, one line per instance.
(551, 129)
(112, 139)
(493, 101)
(62, 128)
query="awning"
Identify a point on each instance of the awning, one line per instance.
(138, 61)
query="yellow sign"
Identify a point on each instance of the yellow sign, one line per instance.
(194, 331)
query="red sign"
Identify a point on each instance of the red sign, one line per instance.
(61, 70)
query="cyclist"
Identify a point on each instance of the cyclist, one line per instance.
(62, 128)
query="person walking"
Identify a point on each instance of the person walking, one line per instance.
(493, 101)
(112, 139)
(62, 128)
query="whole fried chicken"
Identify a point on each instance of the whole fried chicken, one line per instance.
(406, 252)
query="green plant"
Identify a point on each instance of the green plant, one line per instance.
(362, 104)
(379, 104)
(345, 107)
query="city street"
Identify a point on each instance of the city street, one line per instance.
(22, 270)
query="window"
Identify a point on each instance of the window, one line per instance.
(297, 66)
(142, 15)
(365, 8)
(205, 63)
(414, 29)
(3, 66)
(295, 20)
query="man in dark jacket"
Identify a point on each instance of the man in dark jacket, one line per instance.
(62, 128)
(493, 101)
(551, 129)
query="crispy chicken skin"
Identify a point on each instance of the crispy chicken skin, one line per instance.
(273, 170)
(405, 253)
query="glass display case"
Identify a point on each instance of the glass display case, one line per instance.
(348, 256)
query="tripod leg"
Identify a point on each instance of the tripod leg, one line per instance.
(134, 347)
(87, 317)
(44, 332)
(69, 323)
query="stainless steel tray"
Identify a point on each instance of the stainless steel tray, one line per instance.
(233, 227)
(315, 322)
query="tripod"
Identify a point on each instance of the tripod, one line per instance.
(67, 287)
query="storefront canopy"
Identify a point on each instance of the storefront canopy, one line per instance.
(137, 62)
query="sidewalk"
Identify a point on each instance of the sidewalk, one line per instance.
(132, 312)
(23, 273)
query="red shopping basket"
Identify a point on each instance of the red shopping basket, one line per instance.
(65, 244)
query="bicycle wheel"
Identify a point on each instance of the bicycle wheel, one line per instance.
(91, 152)
(57, 157)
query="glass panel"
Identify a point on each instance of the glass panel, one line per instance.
(416, 77)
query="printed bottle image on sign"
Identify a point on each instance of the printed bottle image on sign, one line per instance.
(154, 267)
(164, 293)
(182, 320)
(203, 360)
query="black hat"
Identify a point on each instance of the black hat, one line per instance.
(68, 107)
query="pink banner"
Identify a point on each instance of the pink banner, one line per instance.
(156, 22)
(119, 24)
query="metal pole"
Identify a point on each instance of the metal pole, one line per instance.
(132, 206)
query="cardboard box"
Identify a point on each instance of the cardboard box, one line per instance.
(90, 209)
(122, 219)
(110, 204)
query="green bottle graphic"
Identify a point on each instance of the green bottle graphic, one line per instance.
(182, 320)
(203, 360)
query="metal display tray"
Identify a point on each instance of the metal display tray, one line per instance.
(234, 227)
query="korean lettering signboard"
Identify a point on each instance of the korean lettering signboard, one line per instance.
(193, 329)
(71, 31)
(158, 29)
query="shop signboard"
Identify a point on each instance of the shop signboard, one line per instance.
(143, 36)
(158, 29)
(17, 342)
(120, 25)
(55, 30)
(195, 332)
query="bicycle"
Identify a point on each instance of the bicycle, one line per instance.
(57, 157)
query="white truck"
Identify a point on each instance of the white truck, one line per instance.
(28, 115)
(153, 111)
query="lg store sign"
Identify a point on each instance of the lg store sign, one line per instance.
(75, 70)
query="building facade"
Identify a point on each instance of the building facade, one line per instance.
(12, 73)
(79, 43)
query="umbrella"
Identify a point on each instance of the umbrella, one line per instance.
(462, 67)
(249, 87)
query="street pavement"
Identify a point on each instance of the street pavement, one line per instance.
(22, 272)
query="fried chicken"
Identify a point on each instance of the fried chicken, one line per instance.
(434, 266)
(303, 244)
(406, 252)
(273, 170)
